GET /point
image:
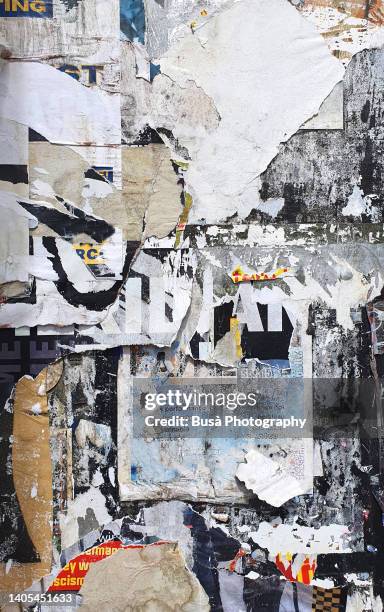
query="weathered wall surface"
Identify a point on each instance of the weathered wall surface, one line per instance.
(191, 199)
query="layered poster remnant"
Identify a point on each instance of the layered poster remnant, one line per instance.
(192, 305)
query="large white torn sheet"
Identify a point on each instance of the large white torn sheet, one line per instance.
(57, 106)
(267, 71)
(14, 139)
(14, 240)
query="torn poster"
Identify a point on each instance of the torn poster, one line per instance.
(192, 304)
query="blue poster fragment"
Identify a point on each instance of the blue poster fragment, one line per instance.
(132, 20)
(26, 8)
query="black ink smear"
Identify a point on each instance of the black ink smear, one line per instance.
(92, 301)
(70, 4)
(91, 173)
(12, 173)
(68, 226)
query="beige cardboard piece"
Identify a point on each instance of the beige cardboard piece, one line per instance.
(153, 576)
(150, 191)
(32, 474)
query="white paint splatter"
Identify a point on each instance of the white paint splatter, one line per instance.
(296, 538)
